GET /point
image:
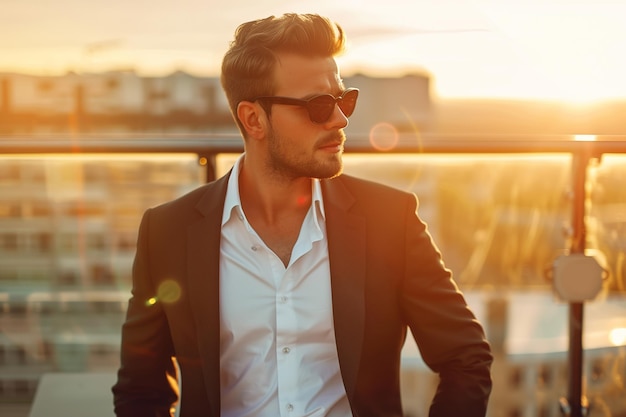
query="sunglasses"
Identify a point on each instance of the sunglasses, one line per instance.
(320, 107)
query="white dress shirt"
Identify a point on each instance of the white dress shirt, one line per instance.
(278, 352)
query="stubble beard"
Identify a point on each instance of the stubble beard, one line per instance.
(314, 164)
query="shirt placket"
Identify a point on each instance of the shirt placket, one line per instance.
(286, 347)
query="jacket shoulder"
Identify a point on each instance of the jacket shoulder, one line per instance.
(194, 198)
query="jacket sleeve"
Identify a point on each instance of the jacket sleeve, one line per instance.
(146, 383)
(451, 341)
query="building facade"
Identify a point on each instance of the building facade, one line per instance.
(124, 102)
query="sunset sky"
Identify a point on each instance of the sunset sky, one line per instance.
(548, 49)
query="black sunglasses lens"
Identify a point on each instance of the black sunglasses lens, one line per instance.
(321, 108)
(347, 102)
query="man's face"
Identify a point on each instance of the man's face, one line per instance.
(296, 146)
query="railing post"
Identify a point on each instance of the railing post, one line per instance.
(208, 161)
(576, 403)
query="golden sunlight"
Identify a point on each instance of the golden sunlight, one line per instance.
(481, 49)
(503, 49)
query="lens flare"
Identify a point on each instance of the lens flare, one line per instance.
(169, 291)
(384, 136)
(303, 200)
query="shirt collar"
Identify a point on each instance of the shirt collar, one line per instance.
(233, 199)
(232, 192)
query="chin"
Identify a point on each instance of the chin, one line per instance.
(330, 173)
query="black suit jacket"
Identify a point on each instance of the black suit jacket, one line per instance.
(386, 275)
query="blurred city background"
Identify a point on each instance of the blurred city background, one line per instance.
(484, 109)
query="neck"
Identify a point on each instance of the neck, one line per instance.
(269, 198)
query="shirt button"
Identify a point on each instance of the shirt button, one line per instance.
(254, 248)
(286, 350)
(289, 407)
(283, 299)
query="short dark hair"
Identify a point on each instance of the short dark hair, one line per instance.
(248, 65)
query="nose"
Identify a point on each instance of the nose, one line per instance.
(337, 120)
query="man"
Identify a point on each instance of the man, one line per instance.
(285, 288)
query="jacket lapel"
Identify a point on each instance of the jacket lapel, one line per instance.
(203, 243)
(346, 249)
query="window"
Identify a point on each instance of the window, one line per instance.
(8, 242)
(10, 210)
(101, 275)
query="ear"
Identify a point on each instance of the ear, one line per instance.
(253, 118)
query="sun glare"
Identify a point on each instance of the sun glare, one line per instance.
(584, 138)
(549, 50)
(618, 336)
